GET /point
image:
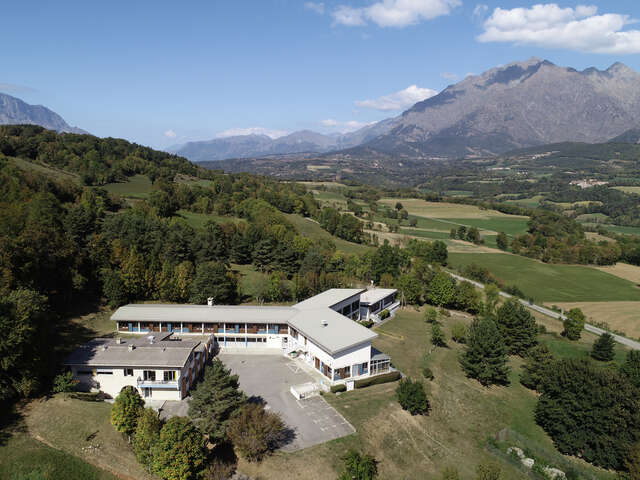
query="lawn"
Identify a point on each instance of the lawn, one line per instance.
(309, 228)
(138, 186)
(511, 225)
(552, 283)
(24, 458)
(635, 190)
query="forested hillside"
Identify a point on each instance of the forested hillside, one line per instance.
(64, 244)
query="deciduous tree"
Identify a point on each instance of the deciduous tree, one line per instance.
(573, 324)
(412, 397)
(256, 431)
(126, 410)
(180, 452)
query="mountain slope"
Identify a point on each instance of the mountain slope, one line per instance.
(253, 146)
(515, 106)
(14, 111)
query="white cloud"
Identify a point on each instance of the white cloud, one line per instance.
(13, 88)
(399, 100)
(346, 126)
(393, 13)
(315, 7)
(170, 134)
(548, 25)
(232, 132)
(449, 76)
(480, 11)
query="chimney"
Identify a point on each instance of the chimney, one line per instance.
(324, 323)
(131, 347)
(210, 301)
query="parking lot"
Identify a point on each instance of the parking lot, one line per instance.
(270, 377)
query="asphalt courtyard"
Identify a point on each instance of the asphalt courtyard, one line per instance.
(270, 377)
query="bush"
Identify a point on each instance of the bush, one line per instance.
(426, 369)
(378, 379)
(256, 431)
(443, 312)
(412, 397)
(180, 452)
(430, 315)
(384, 314)
(358, 467)
(573, 324)
(450, 473)
(65, 383)
(338, 388)
(126, 410)
(367, 323)
(437, 336)
(488, 471)
(459, 333)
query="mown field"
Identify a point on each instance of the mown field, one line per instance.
(549, 282)
(138, 186)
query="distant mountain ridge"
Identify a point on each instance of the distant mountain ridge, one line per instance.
(14, 111)
(518, 105)
(300, 142)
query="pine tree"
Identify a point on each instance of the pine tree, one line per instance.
(631, 367)
(485, 356)
(180, 452)
(538, 362)
(264, 255)
(213, 279)
(126, 409)
(146, 436)
(603, 348)
(215, 399)
(518, 326)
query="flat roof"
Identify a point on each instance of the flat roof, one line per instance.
(106, 352)
(339, 333)
(172, 313)
(329, 298)
(376, 294)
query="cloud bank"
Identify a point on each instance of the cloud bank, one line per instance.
(393, 13)
(548, 25)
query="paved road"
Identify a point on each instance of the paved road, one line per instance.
(551, 313)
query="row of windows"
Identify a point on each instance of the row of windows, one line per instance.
(168, 375)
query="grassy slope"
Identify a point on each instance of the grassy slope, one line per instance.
(46, 170)
(552, 283)
(138, 186)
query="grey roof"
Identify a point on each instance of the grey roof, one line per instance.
(105, 352)
(165, 313)
(340, 332)
(376, 294)
(329, 298)
(378, 355)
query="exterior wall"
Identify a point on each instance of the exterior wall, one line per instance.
(112, 384)
(354, 301)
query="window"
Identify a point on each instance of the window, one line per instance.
(128, 372)
(149, 375)
(169, 376)
(85, 372)
(294, 333)
(105, 372)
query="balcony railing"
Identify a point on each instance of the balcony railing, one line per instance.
(157, 383)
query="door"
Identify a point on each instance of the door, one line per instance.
(130, 327)
(317, 363)
(168, 327)
(147, 392)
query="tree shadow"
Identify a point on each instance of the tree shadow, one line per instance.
(287, 436)
(11, 421)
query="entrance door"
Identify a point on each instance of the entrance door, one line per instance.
(147, 392)
(130, 327)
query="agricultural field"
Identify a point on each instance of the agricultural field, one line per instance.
(138, 186)
(622, 317)
(623, 270)
(552, 282)
(616, 228)
(463, 413)
(635, 190)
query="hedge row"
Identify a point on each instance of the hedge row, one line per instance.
(341, 387)
(378, 379)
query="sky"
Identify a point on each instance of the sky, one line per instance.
(162, 73)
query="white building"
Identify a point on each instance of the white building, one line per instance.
(322, 330)
(160, 370)
(374, 301)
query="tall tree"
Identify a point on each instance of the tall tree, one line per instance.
(180, 452)
(126, 409)
(214, 279)
(442, 289)
(573, 324)
(631, 367)
(603, 348)
(146, 436)
(538, 362)
(215, 399)
(517, 325)
(502, 241)
(485, 355)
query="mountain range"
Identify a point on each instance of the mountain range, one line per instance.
(14, 111)
(514, 106)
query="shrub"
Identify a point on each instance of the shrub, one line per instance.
(430, 315)
(443, 312)
(459, 333)
(256, 431)
(358, 467)
(437, 336)
(338, 388)
(573, 324)
(65, 383)
(378, 379)
(384, 314)
(367, 323)
(450, 473)
(426, 369)
(412, 397)
(146, 436)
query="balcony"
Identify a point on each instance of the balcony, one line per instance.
(168, 384)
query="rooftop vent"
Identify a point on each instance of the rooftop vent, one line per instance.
(210, 301)
(118, 341)
(324, 323)
(131, 347)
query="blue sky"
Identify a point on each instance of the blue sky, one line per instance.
(161, 73)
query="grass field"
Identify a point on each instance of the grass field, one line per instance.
(423, 208)
(531, 202)
(635, 190)
(616, 228)
(309, 228)
(138, 186)
(24, 458)
(511, 225)
(552, 283)
(463, 413)
(47, 170)
(623, 270)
